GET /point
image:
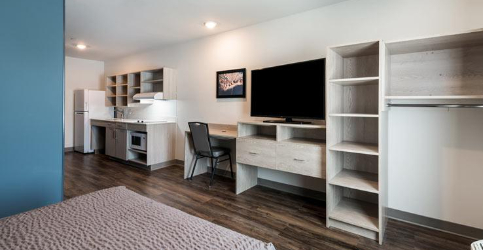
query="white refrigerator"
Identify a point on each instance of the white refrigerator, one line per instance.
(88, 104)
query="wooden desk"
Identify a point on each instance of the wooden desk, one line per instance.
(221, 135)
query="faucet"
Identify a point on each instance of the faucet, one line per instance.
(119, 111)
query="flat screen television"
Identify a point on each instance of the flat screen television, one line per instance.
(289, 91)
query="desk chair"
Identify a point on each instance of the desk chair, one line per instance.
(203, 149)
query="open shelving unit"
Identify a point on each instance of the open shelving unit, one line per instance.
(356, 185)
(120, 89)
(134, 86)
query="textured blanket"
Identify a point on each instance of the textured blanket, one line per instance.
(118, 219)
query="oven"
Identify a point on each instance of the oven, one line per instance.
(138, 141)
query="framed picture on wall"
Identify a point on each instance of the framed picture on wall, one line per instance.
(231, 83)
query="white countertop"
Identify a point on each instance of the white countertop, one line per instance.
(133, 121)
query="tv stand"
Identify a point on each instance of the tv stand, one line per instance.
(293, 148)
(287, 120)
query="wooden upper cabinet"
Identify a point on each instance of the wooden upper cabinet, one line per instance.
(169, 84)
(120, 89)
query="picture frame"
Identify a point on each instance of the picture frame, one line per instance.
(231, 83)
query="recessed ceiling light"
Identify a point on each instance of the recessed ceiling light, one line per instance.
(81, 46)
(210, 24)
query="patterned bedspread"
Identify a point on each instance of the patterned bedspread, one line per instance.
(118, 219)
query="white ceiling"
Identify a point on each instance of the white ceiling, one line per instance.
(116, 28)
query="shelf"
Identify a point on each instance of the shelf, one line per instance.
(356, 147)
(121, 85)
(139, 161)
(354, 115)
(121, 95)
(111, 96)
(357, 213)
(111, 86)
(307, 141)
(356, 81)
(153, 81)
(358, 180)
(135, 87)
(138, 151)
(435, 97)
(445, 42)
(356, 50)
(261, 137)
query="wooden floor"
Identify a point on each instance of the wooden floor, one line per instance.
(288, 221)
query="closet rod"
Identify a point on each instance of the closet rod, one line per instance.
(436, 105)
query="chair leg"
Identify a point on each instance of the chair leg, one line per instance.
(231, 167)
(193, 172)
(213, 169)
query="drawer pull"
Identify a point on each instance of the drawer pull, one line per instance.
(252, 153)
(300, 160)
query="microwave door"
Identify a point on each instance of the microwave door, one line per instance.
(136, 141)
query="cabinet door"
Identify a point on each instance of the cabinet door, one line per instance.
(110, 141)
(169, 84)
(121, 144)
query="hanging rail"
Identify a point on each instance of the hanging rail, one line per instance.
(436, 105)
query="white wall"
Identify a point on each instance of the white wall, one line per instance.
(79, 74)
(413, 186)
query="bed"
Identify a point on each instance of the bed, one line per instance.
(117, 218)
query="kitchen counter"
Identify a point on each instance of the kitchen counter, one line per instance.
(132, 121)
(112, 137)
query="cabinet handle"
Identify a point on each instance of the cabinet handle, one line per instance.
(300, 160)
(252, 153)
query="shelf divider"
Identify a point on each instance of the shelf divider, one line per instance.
(354, 115)
(356, 81)
(356, 147)
(363, 181)
(435, 97)
(357, 213)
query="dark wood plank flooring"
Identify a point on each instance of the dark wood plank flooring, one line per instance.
(286, 220)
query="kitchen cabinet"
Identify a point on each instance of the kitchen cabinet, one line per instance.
(112, 137)
(116, 143)
(121, 144)
(111, 141)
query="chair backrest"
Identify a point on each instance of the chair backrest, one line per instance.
(201, 138)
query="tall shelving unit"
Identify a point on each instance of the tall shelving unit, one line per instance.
(357, 139)
(120, 89)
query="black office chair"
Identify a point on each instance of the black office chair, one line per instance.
(203, 149)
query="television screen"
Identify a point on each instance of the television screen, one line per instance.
(290, 91)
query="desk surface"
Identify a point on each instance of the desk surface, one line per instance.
(222, 134)
(228, 134)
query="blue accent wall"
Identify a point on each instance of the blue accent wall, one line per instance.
(31, 102)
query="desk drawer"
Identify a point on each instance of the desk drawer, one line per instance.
(137, 127)
(98, 123)
(121, 125)
(301, 159)
(256, 152)
(111, 124)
